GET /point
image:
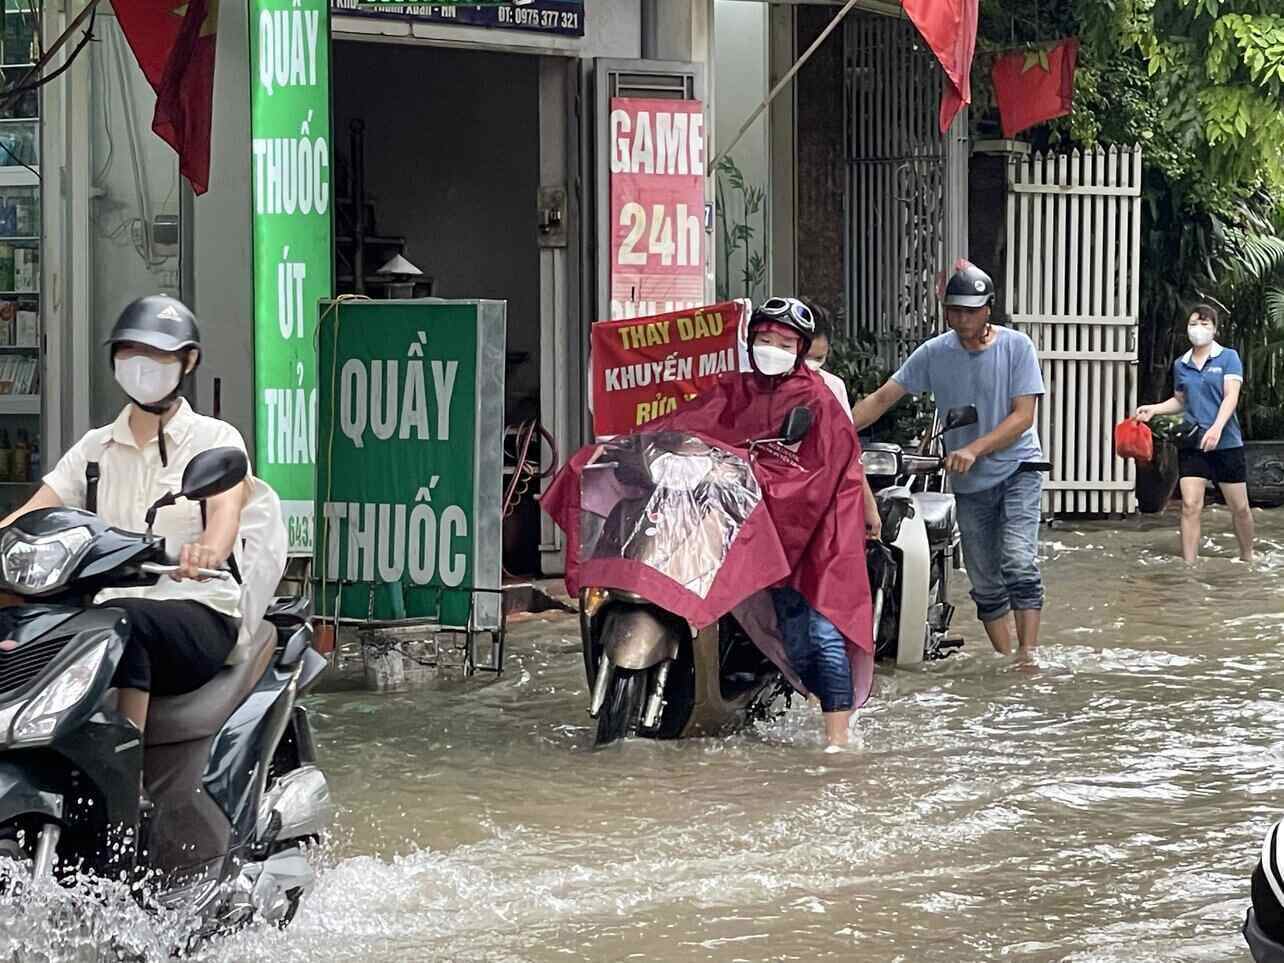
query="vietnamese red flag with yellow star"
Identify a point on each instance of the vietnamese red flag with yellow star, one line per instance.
(1034, 86)
(173, 42)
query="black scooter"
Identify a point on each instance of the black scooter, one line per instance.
(230, 768)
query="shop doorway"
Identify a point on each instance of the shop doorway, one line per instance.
(437, 160)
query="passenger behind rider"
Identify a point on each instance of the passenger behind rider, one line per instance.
(817, 358)
(182, 629)
(780, 335)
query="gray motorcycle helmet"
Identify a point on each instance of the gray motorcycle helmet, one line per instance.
(157, 321)
(970, 287)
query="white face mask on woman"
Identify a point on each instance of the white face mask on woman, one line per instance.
(815, 364)
(771, 360)
(1199, 335)
(147, 380)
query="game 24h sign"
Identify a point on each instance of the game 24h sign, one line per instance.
(657, 206)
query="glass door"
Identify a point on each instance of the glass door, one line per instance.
(21, 335)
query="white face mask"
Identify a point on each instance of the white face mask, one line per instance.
(814, 364)
(146, 380)
(771, 360)
(1199, 335)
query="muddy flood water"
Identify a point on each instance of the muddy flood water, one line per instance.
(1105, 804)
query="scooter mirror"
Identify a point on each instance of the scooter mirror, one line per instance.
(797, 424)
(960, 417)
(213, 472)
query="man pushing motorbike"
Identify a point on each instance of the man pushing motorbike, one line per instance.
(816, 499)
(994, 463)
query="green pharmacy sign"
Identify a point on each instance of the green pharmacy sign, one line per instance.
(292, 199)
(410, 467)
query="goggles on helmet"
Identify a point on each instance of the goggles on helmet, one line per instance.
(788, 307)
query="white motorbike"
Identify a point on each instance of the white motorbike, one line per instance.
(909, 567)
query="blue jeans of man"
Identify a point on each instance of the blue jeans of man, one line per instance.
(816, 650)
(999, 528)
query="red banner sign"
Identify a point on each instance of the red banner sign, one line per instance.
(644, 368)
(657, 206)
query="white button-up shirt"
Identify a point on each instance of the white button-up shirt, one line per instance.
(132, 479)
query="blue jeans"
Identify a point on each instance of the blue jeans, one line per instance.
(1000, 534)
(816, 649)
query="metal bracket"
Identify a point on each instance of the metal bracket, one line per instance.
(551, 211)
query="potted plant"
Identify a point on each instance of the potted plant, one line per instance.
(856, 361)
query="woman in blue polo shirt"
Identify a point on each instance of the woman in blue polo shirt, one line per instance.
(1206, 385)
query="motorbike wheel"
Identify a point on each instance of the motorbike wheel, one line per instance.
(619, 715)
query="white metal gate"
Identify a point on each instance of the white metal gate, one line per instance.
(1073, 285)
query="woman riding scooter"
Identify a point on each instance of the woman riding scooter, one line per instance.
(184, 627)
(826, 551)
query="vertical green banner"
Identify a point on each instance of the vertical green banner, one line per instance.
(293, 244)
(410, 461)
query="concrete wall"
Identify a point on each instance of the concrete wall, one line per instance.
(822, 167)
(740, 84)
(134, 176)
(457, 175)
(219, 233)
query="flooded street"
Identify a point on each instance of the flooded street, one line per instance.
(1106, 804)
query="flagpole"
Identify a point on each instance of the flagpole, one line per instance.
(815, 44)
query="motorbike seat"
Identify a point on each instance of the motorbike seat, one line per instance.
(938, 513)
(200, 714)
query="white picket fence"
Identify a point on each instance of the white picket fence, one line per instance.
(1073, 285)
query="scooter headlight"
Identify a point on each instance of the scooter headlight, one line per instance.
(31, 564)
(882, 463)
(39, 719)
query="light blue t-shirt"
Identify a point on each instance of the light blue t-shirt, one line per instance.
(990, 379)
(1204, 389)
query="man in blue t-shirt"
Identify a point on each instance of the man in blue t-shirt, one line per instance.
(995, 369)
(1206, 386)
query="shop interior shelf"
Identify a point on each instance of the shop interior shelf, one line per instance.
(12, 175)
(19, 404)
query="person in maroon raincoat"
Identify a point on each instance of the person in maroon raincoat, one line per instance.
(815, 497)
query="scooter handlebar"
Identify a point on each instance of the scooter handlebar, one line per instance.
(151, 568)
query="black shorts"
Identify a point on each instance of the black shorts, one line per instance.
(174, 646)
(1226, 466)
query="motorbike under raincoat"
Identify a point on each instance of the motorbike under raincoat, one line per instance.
(805, 529)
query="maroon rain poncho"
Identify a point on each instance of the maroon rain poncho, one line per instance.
(813, 495)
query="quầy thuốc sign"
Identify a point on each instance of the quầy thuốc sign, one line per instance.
(410, 466)
(292, 243)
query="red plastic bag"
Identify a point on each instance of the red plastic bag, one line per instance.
(1134, 440)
